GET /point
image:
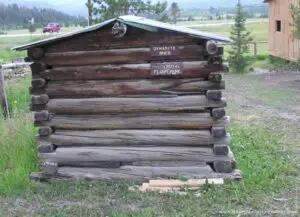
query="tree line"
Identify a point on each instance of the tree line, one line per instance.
(100, 10)
(13, 16)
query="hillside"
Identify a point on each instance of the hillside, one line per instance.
(78, 6)
(15, 16)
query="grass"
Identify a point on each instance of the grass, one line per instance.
(6, 44)
(17, 147)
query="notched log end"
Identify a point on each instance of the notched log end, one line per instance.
(40, 99)
(214, 95)
(45, 131)
(218, 113)
(221, 150)
(218, 132)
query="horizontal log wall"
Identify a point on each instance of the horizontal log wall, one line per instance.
(111, 108)
(131, 121)
(135, 38)
(109, 105)
(136, 137)
(192, 69)
(135, 173)
(119, 56)
(90, 89)
(76, 155)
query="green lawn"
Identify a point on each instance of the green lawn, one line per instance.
(258, 30)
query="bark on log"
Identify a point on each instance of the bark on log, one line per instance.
(135, 121)
(40, 99)
(118, 56)
(111, 105)
(215, 94)
(134, 173)
(90, 89)
(196, 69)
(218, 113)
(76, 155)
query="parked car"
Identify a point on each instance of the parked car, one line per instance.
(51, 27)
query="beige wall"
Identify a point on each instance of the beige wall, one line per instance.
(282, 44)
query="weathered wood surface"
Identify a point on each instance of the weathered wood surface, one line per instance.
(189, 183)
(214, 94)
(45, 131)
(134, 121)
(35, 53)
(218, 113)
(85, 175)
(135, 37)
(118, 56)
(136, 138)
(168, 163)
(117, 104)
(225, 166)
(38, 82)
(45, 146)
(3, 101)
(90, 89)
(39, 99)
(218, 131)
(195, 69)
(221, 149)
(134, 173)
(76, 155)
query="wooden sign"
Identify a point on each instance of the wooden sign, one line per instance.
(164, 51)
(166, 69)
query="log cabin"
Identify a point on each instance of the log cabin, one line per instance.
(130, 99)
(281, 42)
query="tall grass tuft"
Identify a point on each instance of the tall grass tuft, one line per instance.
(17, 147)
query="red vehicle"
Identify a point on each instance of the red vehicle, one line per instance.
(51, 27)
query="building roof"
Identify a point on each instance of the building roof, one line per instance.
(135, 21)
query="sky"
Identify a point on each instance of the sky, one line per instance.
(77, 7)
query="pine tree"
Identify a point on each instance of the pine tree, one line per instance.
(175, 12)
(241, 38)
(89, 6)
(107, 9)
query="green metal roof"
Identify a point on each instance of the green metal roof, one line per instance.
(138, 22)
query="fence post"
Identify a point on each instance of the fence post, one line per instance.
(255, 50)
(3, 100)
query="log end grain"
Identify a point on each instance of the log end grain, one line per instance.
(214, 95)
(218, 113)
(218, 132)
(220, 149)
